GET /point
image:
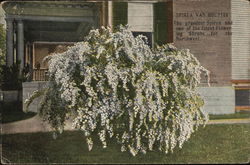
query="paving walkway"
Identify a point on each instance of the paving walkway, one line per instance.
(36, 124)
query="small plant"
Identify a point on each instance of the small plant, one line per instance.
(2, 50)
(115, 86)
(12, 79)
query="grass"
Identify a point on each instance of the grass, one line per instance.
(236, 115)
(12, 111)
(212, 144)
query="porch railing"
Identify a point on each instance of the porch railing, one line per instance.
(40, 75)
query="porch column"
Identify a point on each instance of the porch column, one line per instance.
(9, 42)
(20, 44)
(110, 14)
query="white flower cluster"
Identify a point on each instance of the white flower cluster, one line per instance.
(115, 86)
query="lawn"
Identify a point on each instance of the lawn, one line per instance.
(236, 115)
(12, 111)
(212, 144)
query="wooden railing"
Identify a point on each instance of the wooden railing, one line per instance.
(40, 75)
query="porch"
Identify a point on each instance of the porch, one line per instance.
(39, 74)
(38, 67)
(36, 30)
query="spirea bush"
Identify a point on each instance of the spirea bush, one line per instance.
(115, 86)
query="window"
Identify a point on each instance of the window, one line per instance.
(242, 98)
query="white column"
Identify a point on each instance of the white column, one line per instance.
(110, 14)
(20, 43)
(9, 42)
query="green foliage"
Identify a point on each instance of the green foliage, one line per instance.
(11, 77)
(2, 50)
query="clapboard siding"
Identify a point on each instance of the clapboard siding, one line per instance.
(240, 39)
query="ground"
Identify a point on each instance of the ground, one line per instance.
(213, 144)
(216, 143)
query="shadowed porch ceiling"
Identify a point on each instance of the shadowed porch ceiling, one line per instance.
(55, 31)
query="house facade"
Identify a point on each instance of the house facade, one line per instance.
(216, 31)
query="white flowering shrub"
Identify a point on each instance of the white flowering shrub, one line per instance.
(115, 86)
